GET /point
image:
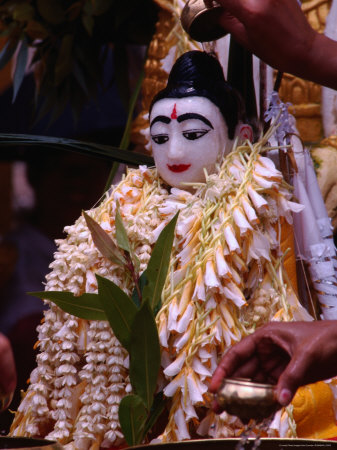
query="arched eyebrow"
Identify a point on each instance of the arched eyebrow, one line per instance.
(195, 116)
(163, 119)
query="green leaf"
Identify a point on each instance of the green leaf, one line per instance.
(157, 268)
(157, 408)
(20, 67)
(119, 309)
(121, 234)
(103, 241)
(132, 416)
(144, 355)
(86, 306)
(87, 148)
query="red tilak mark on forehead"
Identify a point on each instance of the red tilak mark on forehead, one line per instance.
(174, 112)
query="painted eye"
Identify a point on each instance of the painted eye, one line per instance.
(192, 135)
(160, 138)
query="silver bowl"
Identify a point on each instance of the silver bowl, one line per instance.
(247, 400)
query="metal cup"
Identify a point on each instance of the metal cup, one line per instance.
(247, 400)
(199, 18)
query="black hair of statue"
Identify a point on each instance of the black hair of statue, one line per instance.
(200, 74)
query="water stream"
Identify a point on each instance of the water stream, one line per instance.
(249, 432)
(209, 47)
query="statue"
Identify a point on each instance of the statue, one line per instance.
(185, 120)
(226, 274)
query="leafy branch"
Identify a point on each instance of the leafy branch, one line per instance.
(132, 319)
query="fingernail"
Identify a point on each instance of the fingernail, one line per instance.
(285, 397)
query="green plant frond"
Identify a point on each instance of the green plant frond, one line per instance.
(87, 148)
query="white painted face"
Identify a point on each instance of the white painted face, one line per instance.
(188, 134)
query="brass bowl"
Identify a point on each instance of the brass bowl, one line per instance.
(247, 400)
(28, 443)
(199, 18)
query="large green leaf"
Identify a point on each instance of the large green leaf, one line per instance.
(157, 408)
(157, 268)
(132, 416)
(103, 241)
(121, 234)
(119, 309)
(86, 306)
(87, 148)
(144, 354)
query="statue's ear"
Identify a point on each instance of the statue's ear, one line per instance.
(245, 132)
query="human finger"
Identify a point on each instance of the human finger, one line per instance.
(292, 377)
(248, 369)
(231, 361)
(233, 26)
(236, 7)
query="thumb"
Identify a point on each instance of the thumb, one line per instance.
(291, 379)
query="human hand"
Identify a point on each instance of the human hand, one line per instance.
(7, 372)
(276, 31)
(288, 354)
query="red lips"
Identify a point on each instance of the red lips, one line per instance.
(177, 168)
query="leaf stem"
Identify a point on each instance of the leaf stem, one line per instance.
(134, 274)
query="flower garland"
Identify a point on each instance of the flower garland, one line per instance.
(226, 277)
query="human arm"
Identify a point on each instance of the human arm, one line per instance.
(288, 354)
(7, 367)
(278, 32)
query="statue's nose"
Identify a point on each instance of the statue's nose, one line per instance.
(176, 149)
